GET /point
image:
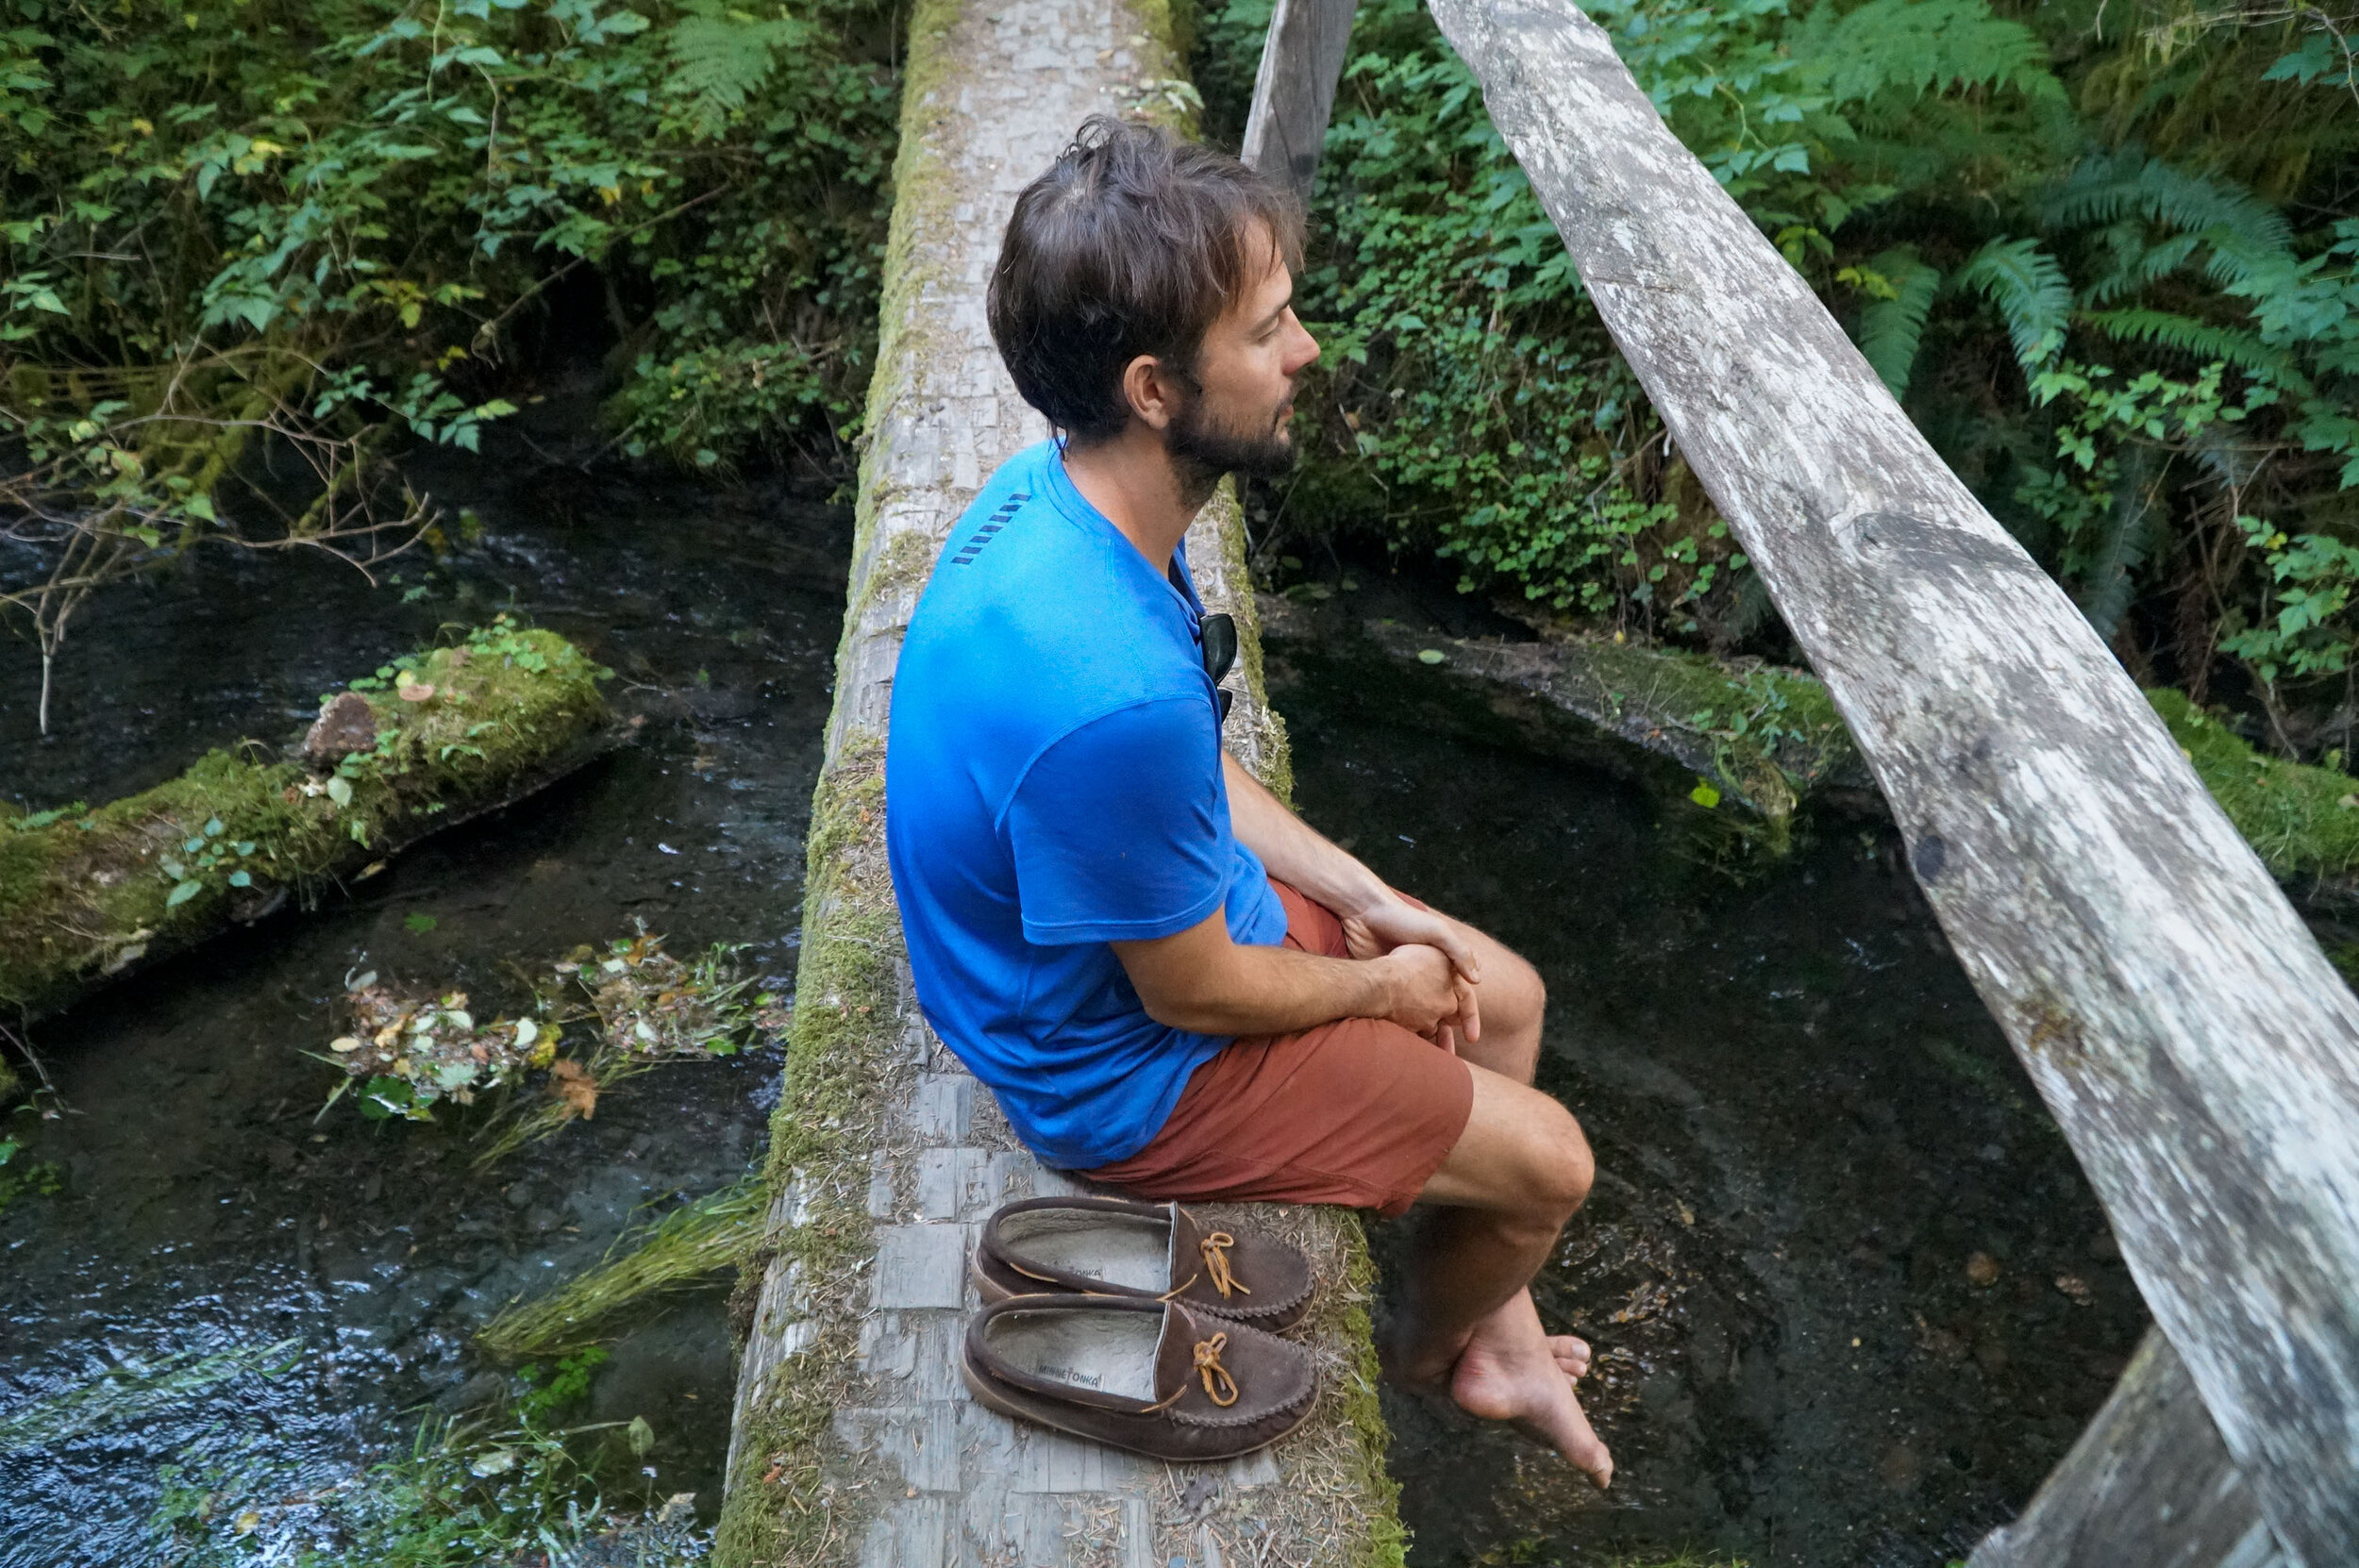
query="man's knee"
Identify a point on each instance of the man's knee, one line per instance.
(1559, 1166)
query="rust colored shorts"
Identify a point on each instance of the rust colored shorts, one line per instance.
(1359, 1112)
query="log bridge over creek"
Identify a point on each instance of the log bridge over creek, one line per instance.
(2190, 1039)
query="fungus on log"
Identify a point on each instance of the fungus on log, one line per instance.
(87, 896)
(2193, 1042)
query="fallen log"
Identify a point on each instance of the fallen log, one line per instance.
(1767, 738)
(1294, 91)
(853, 1439)
(87, 896)
(2191, 1040)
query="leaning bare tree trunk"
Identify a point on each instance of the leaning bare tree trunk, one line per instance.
(1294, 93)
(2194, 1043)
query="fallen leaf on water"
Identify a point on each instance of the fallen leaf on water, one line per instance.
(575, 1088)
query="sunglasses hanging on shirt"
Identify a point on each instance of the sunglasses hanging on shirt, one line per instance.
(1216, 635)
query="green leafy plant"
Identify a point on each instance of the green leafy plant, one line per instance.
(20, 1176)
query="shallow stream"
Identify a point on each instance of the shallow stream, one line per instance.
(1849, 1294)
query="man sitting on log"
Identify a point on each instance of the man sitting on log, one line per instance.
(1170, 981)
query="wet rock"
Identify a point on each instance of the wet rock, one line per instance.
(484, 1388)
(345, 725)
(1983, 1269)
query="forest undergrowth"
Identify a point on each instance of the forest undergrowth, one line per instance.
(256, 248)
(2105, 254)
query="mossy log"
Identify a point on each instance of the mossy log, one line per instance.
(1767, 737)
(854, 1441)
(88, 896)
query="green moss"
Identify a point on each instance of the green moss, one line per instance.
(778, 1507)
(1385, 1543)
(11, 1087)
(2302, 821)
(86, 895)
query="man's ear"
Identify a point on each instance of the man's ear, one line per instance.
(1152, 391)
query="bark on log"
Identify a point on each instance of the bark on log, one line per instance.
(2149, 1483)
(1294, 91)
(2192, 1041)
(853, 1440)
(87, 898)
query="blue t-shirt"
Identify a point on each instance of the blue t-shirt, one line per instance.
(1052, 784)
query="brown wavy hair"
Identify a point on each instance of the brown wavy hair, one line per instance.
(1132, 242)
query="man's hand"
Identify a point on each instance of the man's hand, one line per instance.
(1391, 924)
(1426, 994)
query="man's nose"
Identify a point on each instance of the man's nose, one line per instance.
(1306, 352)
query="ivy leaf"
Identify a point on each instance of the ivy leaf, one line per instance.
(181, 893)
(340, 789)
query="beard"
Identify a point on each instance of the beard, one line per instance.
(1203, 449)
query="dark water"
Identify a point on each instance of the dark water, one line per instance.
(1806, 1129)
(205, 1214)
(1806, 1125)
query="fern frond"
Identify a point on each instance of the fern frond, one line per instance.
(2138, 263)
(2030, 291)
(2199, 339)
(1921, 46)
(719, 60)
(1889, 330)
(2127, 539)
(2105, 189)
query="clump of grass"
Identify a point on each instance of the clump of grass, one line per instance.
(683, 1250)
(134, 1392)
(649, 1008)
(416, 1050)
(412, 1048)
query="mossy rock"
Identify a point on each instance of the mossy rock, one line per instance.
(2303, 821)
(88, 895)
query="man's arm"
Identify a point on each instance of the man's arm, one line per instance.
(1201, 981)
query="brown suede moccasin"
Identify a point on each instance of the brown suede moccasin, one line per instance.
(1149, 1251)
(1149, 1376)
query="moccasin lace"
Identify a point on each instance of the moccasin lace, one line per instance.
(1208, 1367)
(1216, 1250)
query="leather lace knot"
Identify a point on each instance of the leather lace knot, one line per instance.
(1208, 1367)
(1219, 1387)
(1216, 1250)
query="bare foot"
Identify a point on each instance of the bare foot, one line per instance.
(1512, 1370)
